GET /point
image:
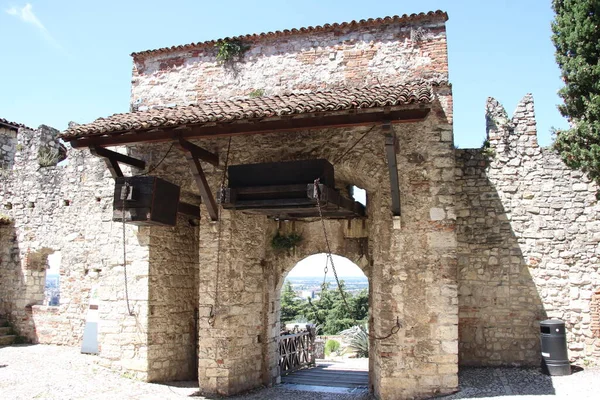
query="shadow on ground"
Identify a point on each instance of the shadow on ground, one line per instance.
(493, 382)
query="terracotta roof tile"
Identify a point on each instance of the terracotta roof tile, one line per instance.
(431, 15)
(338, 99)
(11, 125)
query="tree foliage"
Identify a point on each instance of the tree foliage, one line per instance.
(329, 311)
(576, 36)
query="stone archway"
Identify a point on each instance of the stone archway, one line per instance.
(338, 262)
(355, 249)
(410, 261)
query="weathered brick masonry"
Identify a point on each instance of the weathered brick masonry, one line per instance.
(352, 55)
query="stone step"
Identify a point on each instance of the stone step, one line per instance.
(5, 330)
(7, 340)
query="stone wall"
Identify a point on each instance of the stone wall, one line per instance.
(173, 302)
(410, 260)
(354, 56)
(8, 147)
(227, 269)
(528, 245)
(68, 208)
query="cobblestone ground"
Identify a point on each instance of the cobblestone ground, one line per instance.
(52, 372)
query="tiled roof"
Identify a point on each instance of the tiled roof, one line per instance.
(338, 99)
(11, 125)
(431, 15)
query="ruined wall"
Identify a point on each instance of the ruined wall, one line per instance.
(528, 244)
(354, 56)
(68, 208)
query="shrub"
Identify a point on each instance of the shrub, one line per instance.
(358, 340)
(331, 346)
(286, 242)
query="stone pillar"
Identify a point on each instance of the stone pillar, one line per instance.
(123, 338)
(230, 358)
(172, 301)
(414, 276)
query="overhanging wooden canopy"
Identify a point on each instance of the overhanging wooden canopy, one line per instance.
(332, 108)
(249, 127)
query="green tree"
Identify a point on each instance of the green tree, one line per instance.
(329, 311)
(290, 306)
(360, 305)
(339, 317)
(576, 29)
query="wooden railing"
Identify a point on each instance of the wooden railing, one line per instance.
(296, 351)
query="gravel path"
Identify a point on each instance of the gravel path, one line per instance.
(53, 372)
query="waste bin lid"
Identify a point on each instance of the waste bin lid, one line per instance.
(552, 322)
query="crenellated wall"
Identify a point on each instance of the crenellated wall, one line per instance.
(528, 245)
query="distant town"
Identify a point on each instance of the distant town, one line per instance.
(310, 287)
(52, 290)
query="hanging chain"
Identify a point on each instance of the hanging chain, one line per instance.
(213, 309)
(353, 146)
(396, 328)
(125, 190)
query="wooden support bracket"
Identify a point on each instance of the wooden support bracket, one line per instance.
(198, 152)
(390, 152)
(112, 160)
(193, 156)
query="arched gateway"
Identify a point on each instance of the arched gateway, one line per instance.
(371, 99)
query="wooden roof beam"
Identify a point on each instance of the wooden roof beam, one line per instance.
(405, 115)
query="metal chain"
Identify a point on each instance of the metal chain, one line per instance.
(353, 146)
(124, 195)
(213, 310)
(398, 325)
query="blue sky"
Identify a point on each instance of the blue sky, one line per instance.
(69, 60)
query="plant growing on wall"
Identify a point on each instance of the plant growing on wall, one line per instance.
(48, 157)
(230, 51)
(285, 242)
(256, 93)
(5, 220)
(486, 149)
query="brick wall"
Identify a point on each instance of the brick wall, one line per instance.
(356, 56)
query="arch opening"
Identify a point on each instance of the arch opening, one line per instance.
(309, 298)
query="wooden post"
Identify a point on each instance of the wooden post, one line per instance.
(390, 151)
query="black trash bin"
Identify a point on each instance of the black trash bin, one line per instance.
(555, 360)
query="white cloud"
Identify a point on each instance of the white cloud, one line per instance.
(26, 15)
